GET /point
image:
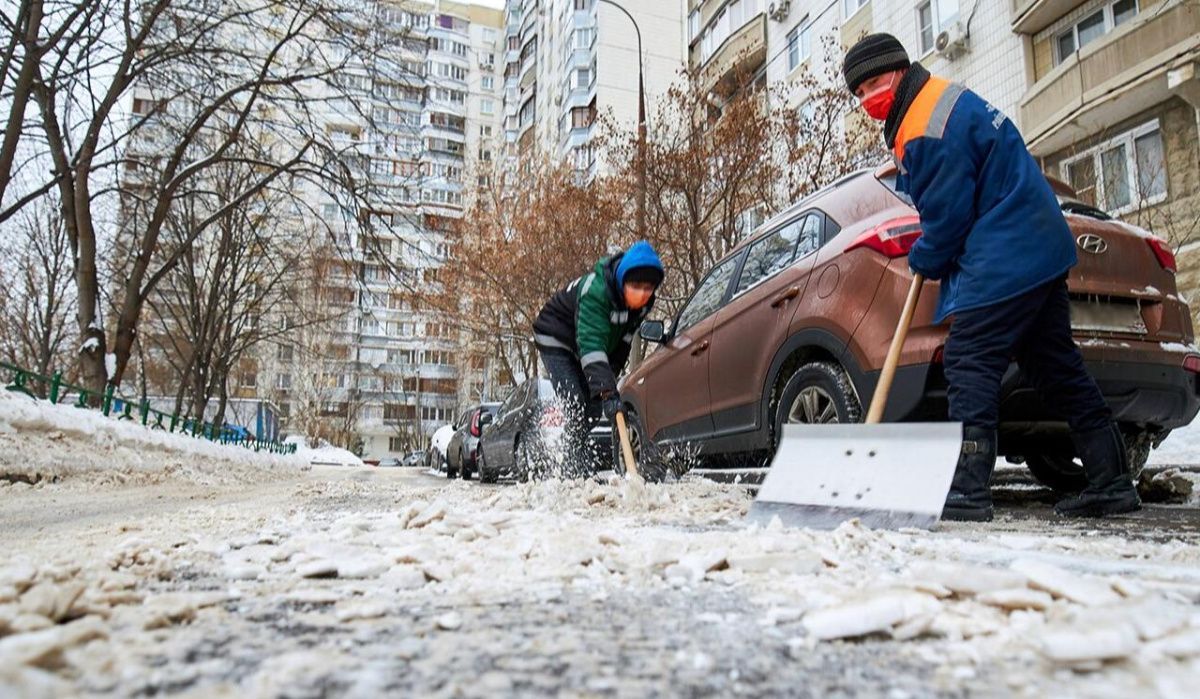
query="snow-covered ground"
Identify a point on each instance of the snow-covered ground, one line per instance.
(360, 582)
(1180, 448)
(41, 441)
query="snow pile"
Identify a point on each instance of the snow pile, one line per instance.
(323, 455)
(41, 441)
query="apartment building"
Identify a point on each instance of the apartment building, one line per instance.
(387, 372)
(569, 61)
(408, 376)
(1112, 104)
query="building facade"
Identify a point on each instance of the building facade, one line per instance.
(567, 62)
(384, 371)
(406, 376)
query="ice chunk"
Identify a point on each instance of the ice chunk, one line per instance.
(362, 567)
(449, 621)
(45, 646)
(788, 563)
(51, 601)
(1181, 645)
(1017, 598)
(968, 580)
(317, 569)
(361, 609)
(1058, 582)
(1071, 646)
(430, 514)
(871, 615)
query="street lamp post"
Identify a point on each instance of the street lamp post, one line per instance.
(636, 354)
(641, 147)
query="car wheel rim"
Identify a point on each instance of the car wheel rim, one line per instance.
(814, 406)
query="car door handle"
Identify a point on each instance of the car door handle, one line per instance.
(701, 349)
(786, 296)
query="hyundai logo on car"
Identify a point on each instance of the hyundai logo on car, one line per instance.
(1092, 243)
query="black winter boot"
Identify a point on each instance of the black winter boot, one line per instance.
(970, 498)
(1110, 490)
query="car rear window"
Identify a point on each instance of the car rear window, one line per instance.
(1073, 206)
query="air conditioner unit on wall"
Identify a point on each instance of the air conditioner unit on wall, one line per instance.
(778, 10)
(951, 42)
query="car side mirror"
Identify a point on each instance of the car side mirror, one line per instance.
(652, 331)
(485, 419)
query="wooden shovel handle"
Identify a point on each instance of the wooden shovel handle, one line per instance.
(626, 449)
(884, 387)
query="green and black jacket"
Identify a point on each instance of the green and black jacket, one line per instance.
(588, 317)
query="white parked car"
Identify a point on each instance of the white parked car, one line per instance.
(439, 445)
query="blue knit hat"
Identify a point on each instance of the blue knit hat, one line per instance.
(640, 257)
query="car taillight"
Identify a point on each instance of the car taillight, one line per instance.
(475, 424)
(1192, 363)
(552, 416)
(1162, 250)
(892, 238)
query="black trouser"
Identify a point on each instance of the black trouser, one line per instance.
(582, 411)
(1035, 330)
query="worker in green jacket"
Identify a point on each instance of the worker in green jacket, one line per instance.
(584, 334)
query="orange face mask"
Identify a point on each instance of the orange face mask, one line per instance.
(636, 299)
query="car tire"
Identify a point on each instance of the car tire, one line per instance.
(486, 475)
(817, 393)
(464, 469)
(521, 462)
(1061, 472)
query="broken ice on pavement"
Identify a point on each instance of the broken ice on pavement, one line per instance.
(277, 581)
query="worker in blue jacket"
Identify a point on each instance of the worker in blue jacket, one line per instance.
(995, 237)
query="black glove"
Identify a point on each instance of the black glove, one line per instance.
(612, 405)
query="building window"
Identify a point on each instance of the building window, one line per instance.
(487, 107)
(853, 6)
(934, 17)
(285, 353)
(728, 21)
(1121, 174)
(1092, 27)
(693, 25)
(488, 82)
(283, 381)
(799, 44)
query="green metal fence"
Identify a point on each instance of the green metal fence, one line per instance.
(57, 391)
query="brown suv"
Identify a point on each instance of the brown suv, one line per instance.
(793, 326)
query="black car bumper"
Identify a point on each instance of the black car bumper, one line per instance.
(1155, 396)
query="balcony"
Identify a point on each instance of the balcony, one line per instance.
(738, 57)
(1032, 16)
(1112, 78)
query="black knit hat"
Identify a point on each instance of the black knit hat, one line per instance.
(873, 55)
(654, 275)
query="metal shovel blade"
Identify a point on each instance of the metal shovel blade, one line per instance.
(888, 475)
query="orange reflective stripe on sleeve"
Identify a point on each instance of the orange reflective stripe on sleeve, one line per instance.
(916, 120)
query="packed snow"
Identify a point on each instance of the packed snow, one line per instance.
(368, 582)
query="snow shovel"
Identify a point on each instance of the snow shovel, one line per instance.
(631, 468)
(886, 475)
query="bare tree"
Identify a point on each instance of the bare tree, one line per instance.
(213, 84)
(522, 240)
(38, 293)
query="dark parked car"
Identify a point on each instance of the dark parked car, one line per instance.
(463, 450)
(527, 433)
(794, 324)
